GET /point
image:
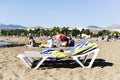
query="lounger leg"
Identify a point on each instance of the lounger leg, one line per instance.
(30, 60)
(76, 59)
(93, 59)
(91, 62)
(85, 59)
(41, 61)
(21, 57)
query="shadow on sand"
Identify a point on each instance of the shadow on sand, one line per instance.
(72, 64)
(101, 63)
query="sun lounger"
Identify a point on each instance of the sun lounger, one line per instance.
(84, 51)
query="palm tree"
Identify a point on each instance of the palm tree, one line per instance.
(55, 30)
(75, 32)
(65, 30)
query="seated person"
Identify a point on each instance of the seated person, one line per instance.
(49, 44)
(64, 41)
(31, 43)
(63, 44)
(71, 42)
(67, 43)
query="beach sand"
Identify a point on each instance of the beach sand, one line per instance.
(105, 67)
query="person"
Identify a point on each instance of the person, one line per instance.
(64, 41)
(64, 38)
(71, 42)
(32, 42)
(67, 42)
(50, 43)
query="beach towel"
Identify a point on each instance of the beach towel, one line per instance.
(49, 51)
(79, 45)
(69, 53)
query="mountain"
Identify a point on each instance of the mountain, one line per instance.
(11, 26)
(94, 28)
(114, 26)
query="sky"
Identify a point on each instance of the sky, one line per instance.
(68, 13)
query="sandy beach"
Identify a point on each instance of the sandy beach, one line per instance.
(105, 67)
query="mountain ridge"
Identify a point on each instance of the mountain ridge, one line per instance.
(11, 26)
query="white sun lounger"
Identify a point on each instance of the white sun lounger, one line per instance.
(26, 57)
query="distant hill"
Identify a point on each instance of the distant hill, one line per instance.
(114, 26)
(10, 26)
(93, 28)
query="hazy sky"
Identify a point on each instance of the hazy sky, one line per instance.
(69, 13)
